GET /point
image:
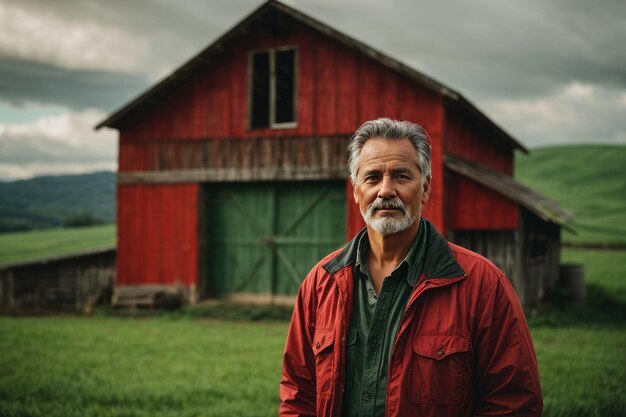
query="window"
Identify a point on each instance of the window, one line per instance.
(273, 88)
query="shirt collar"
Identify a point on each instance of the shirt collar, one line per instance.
(412, 263)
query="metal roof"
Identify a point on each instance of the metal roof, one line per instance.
(546, 209)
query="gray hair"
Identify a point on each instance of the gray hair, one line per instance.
(390, 129)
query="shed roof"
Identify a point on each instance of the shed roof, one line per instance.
(271, 8)
(546, 209)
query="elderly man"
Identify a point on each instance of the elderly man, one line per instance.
(400, 322)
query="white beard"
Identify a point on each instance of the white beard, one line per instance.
(388, 225)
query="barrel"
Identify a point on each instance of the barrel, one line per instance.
(572, 280)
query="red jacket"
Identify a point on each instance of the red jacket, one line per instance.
(463, 347)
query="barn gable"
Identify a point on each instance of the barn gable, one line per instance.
(278, 22)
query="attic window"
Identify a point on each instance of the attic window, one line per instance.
(273, 87)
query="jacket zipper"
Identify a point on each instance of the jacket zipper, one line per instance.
(340, 366)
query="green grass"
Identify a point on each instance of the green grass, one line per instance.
(101, 366)
(25, 246)
(582, 350)
(183, 364)
(582, 370)
(590, 181)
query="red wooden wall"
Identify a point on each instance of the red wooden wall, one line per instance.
(157, 228)
(469, 205)
(337, 89)
(472, 206)
(464, 140)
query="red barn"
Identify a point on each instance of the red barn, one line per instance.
(233, 177)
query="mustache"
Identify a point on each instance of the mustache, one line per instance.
(382, 204)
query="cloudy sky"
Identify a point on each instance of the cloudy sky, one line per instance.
(549, 72)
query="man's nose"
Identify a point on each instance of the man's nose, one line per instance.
(387, 188)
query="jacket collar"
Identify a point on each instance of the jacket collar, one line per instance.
(439, 262)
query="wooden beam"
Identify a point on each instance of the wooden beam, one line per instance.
(230, 175)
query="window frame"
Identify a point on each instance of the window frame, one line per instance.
(272, 85)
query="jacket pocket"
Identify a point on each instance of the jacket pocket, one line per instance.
(441, 369)
(324, 359)
(350, 357)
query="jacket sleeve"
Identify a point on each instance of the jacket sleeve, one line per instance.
(297, 385)
(506, 366)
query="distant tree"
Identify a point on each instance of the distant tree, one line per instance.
(81, 220)
(16, 225)
(46, 202)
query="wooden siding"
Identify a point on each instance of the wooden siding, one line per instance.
(338, 89)
(472, 206)
(354, 219)
(505, 186)
(323, 156)
(498, 246)
(529, 255)
(69, 283)
(157, 235)
(539, 254)
(501, 248)
(464, 140)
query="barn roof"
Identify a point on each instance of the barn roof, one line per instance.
(270, 9)
(546, 209)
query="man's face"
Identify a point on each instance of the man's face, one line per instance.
(389, 188)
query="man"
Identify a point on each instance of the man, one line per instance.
(400, 322)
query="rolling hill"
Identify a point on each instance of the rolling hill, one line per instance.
(45, 202)
(590, 181)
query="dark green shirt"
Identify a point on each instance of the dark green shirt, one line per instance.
(373, 326)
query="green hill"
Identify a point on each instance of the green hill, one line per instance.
(590, 181)
(49, 201)
(41, 244)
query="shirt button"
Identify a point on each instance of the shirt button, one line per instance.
(317, 345)
(367, 397)
(440, 352)
(375, 341)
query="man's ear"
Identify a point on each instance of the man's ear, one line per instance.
(355, 195)
(426, 190)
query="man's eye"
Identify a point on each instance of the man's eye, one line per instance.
(371, 178)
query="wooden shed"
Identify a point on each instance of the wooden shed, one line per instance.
(232, 170)
(71, 282)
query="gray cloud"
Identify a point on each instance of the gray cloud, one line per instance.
(174, 31)
(24, 81)
(56, 144)
(486, 49)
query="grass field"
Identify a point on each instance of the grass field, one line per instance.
(582, 350)
(25, 246)
(176, 364)
(590, 181)
(99, 366)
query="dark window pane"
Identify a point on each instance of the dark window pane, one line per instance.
(260, 96)
(285, 80)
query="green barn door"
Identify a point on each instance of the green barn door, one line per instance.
(263, 238)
